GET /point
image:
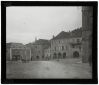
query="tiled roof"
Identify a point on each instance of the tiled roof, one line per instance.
(62, 35)
(72, 34)
(29, 45)
(76, 33)
(14, 45)
(41, 42)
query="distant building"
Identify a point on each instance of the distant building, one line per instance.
(17, 51)
(38, 49)
(47, 53)
(66, 45)
(31, 47)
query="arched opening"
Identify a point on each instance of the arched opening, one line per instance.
(59, 55)
(16, 57)
(42, 57)
(64, 55)
(37, 57)
(76, 54)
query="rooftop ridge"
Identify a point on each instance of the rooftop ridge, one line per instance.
(74, 33)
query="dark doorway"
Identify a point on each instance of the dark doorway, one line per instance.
(76, 54)
(59, 55)
(16, 57)
(42, 57)
(54, 56)
(37, 57)
(64, 55)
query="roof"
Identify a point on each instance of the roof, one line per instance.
(41, 42)
(29, 45)
(73, 34)
(14, 45)
(62, 35)
(76, 33)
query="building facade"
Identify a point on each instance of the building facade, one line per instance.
(66, 45)
(17, 51)
(47, 53)
(38, 48)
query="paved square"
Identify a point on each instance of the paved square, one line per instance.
(68, 68)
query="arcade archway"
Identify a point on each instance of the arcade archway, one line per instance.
(64, 55)
(76, 54)
(59, 55)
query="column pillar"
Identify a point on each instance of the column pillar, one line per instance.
(30, 54)
(25, 54)
(10, 54)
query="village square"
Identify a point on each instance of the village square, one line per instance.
(65, 55)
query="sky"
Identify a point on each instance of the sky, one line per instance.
(24, 24)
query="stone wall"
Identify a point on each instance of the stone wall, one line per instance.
(24, 54)
(87, 25)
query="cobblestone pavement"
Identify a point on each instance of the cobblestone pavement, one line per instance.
(49, 69)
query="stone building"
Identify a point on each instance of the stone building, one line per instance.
(47, 53)
(30, 46)
(17, 51)
(87, 25)
(66, 44)
(38, 48)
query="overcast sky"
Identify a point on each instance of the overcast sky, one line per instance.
(26, 23)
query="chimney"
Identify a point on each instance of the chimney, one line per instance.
(35, 39)
(53, 36)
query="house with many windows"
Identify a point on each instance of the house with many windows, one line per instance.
(66, 45)
(38, 48)
(47, 53)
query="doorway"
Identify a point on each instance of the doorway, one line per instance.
(76, 54)
(64, 55)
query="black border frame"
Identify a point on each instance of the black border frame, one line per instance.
(5, 4)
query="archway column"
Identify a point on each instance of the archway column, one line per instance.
(30, 54)
(10, 54)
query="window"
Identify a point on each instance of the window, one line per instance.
(78, 40)
(59, 47)
(79, 47)
(35, 46)
(59, 41)
(73, 46)
(66, 47)
(55, 48)
(62, 47)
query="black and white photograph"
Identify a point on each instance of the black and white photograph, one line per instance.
(49, 42)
